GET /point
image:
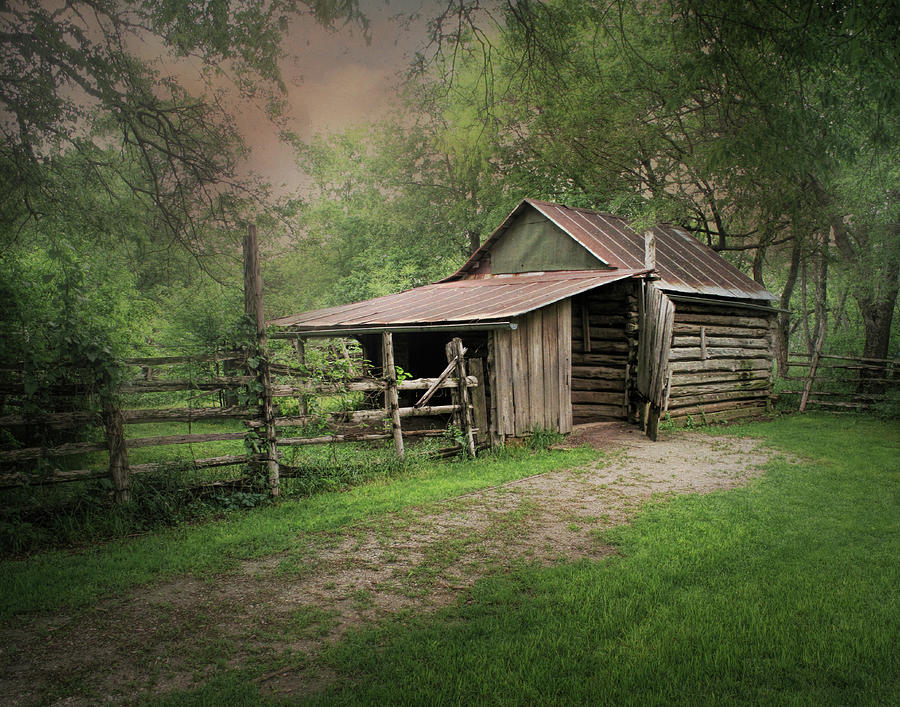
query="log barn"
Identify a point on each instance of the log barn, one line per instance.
(572, 316)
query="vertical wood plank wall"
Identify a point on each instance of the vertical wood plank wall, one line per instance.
(533, 372)
(602, 364)
(722, 361)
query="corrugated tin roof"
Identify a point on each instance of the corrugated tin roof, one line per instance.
(683, 263)
(458, 301)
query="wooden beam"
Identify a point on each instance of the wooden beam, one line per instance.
(391, 398)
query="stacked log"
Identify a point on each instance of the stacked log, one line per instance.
(602, 360)
(721, 362)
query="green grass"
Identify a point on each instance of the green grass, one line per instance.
(55, 580)
(783, 592)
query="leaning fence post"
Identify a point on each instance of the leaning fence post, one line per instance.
(114, 422)
(814, 364)
(391, 396)
(253, 306)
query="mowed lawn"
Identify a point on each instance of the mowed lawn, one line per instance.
(783, 592)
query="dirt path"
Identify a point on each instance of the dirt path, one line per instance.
(280, 611)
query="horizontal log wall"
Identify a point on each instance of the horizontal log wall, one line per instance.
(721, 362)
(603, 361)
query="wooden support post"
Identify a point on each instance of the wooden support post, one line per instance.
(496, 438)
(479, 400)
(114, 422)
(300, 350)
(351, 369)
(455, 348)
(653, 422)
(391, 397)
(253, 307)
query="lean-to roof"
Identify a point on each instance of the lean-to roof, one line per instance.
(494, 299)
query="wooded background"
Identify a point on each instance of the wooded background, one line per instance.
(769, 132)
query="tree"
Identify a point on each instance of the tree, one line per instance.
(753, 126)
(73, 79)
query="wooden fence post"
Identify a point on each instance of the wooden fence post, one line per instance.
(114, 421)
(300, 350)
(391, 397)
(253, 306)
(455, 348)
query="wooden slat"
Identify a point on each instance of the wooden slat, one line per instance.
(370, 385)
(597, 397)
(550, 364)
(593, 359)
(601, 347)
(723, 364)
(536, 404)
(686, 329)
(598, 384)
(692, 354)
(704, 399)
(186, 414)
(610, 373)
(58, 476)
(391, 399)
(358, 416)
(205, 463)
(339, 438)
(52, 420)
(713, 407)
(14, 456)
(564, 355)
(521, 410)
(604, 334)
(504, 388)
(165, 440)
(834, 403)
(679, 417)
(479, 401)
(588, 411)
(211, 383)
(720, 320)
(760, 384)
(685, 341)
(691, 378)
(172, 360)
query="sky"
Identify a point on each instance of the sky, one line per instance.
(334, 79)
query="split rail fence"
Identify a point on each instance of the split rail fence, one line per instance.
(262, 385)
(842, 382)
(262, 426)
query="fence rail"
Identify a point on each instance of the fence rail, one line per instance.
(330, 428)
(263, 426)
(842, 382)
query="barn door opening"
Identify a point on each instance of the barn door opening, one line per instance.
(656, 318)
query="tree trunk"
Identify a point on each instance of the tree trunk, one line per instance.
(877, 316)
(783, 328)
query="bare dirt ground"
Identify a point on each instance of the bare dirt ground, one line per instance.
(276, 614)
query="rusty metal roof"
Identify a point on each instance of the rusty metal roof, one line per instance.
(459, 301)
(683, 263)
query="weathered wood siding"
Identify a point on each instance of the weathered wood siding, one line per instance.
(533, 243)
(721, 361)
(603, 362)
(532, 378)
